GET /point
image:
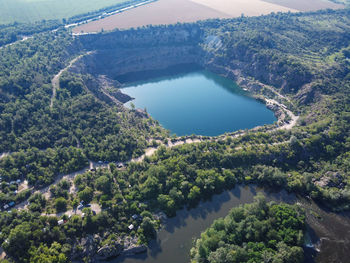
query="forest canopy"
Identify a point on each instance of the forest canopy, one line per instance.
(257, 232)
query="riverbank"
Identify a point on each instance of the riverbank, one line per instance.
(174, 239)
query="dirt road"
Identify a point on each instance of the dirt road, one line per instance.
(55, 82)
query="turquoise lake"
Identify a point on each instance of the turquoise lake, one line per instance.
(198, 102)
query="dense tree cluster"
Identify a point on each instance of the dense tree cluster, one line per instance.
(43, 141)
(312, 159)
(287, 50)
(257, 232)
(16, 31)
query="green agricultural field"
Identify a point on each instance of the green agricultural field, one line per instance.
(36, 10)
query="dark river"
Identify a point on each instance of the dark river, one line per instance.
(329, 232)
(174, 241)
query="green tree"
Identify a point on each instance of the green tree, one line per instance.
(86, 195)
(61, 204)
(43, 254)
(19, 241)
(103, 183)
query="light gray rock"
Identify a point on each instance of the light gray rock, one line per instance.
(109, 251)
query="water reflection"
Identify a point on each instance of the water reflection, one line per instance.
(198, 102)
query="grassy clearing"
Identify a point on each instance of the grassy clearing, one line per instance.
(36, 10)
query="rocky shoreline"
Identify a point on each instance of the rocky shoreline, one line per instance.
(92, 247)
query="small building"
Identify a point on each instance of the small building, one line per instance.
(134, 217)
(60, 222)
(131, 227)
(6, 206)
(120, 165)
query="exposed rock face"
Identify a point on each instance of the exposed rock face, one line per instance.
(161, 216)
(306, 94)
(135, 250)
(141, 113)
(119, 62)
(123, 98)
(157, 48)
(331, 179)
(109, 251)
(86, 248)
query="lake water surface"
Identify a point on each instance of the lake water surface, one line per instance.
(204, 103)
(199, 102)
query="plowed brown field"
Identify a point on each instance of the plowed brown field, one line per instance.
(174, 11)
(156, 13)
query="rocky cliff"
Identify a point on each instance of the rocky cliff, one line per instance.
(126, 55)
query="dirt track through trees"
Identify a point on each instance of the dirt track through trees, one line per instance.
(55, 82)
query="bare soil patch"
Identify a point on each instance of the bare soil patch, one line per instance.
(156, 13)
(309, 5)
(165, 12)
(236, 8)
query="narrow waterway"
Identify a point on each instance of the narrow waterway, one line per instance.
(329, 232)
(174, 241)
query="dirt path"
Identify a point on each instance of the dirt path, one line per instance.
(18, 41)
(293, 118)
(169, 144)
(23, 186)
(55, 82)
(94, 207)
(46, 191)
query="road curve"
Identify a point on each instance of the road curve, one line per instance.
(55, 82)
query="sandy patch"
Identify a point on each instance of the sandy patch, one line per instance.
(23, 186)
(156, 13)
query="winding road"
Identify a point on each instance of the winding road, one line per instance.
(169, 144)
(55, 82)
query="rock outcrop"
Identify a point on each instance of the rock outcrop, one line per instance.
(331, 179)
(85, 248)
(137, 249)
(109, 251)
(90, 248)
